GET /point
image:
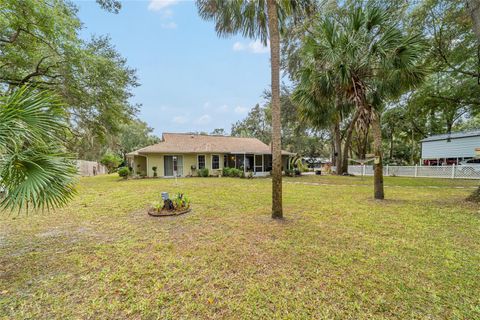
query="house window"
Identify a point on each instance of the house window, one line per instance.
(215, 161)
(201, 161)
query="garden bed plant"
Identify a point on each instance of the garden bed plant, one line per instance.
(180, 204)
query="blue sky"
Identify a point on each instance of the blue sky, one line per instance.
(191, 80)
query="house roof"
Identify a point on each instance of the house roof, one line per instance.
(199, 143)
(453, 135)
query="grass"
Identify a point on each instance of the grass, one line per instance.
(338, 254)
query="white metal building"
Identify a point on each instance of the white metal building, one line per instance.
(447, 149)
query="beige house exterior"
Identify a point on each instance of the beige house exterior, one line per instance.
(183, 154)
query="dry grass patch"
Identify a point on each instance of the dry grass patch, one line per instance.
(338, 254)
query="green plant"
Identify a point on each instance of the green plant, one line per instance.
(35, 170)
(111, 161)
(231, 172)
(123, 172)
(203, 172)
(296, 162)
(181, 201)
(154, 171)
(157, 206)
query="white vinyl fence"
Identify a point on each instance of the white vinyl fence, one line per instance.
(90, 168)
(453, 172)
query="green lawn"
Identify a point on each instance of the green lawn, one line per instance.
(338, 254)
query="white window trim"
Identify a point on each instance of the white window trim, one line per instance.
(204, 157)
(211, 161)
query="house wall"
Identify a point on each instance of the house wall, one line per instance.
(155, 160)
(142, 161)
(456, 148)
(189, 160)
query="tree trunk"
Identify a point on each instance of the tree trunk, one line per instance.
(348, 140)
(473, 7)
(337, 139)
(277, 211)
(377, 150)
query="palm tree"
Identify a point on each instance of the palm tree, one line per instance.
(35, 171)
(359, 54)
(263, 20)
(323, 106)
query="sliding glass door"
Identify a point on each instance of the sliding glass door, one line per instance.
(173, 166)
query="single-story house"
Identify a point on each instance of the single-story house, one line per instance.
(447, 149)
(183, 154)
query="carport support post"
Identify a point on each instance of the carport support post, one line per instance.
(416, 171)
(363, 170)
(453, 171)
(386, 170)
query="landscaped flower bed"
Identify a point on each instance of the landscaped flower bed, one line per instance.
(180, 204)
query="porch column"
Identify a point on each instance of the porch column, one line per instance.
(263, 162)
(244, 163)
(254, 164)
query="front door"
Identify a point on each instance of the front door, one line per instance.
(173, 166)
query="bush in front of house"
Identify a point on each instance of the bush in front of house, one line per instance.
(292, 172)
(154, 169)
(123, 172)
(203, 172)
(232, 172)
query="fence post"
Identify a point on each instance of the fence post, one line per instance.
(453, 171)
(416, 171)
(386, 173)
(363, 170)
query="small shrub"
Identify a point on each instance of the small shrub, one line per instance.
(154, 171)
(203, 172)
(232, 172)
(181, 202)
(226, 172)
(158, 206)
(123, 172)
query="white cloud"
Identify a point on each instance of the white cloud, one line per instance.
(207, 105)
(169, 25)
(204, 119)
(241, 110)
(258, 47)
(252, 47)
(159, 5)
(238, 46)
(180, 120)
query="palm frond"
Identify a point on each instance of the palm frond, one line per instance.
(34, 167)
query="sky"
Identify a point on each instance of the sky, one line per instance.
(191, 80)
